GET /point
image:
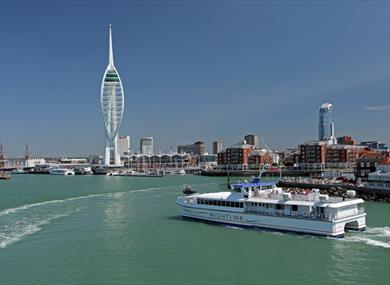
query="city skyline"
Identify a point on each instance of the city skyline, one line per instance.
(225, 71)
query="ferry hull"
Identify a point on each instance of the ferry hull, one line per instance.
(279, 223)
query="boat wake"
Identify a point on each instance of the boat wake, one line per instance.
(10, 234)
(378, 237)
(19, 222)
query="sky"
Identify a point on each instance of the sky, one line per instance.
(192, 70)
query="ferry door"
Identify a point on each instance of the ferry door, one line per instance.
(319, 212)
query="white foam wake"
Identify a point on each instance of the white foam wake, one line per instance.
(378, 237)
(18, 222)
(28, 206)
(10, 235)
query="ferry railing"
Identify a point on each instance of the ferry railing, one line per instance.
(305, 216)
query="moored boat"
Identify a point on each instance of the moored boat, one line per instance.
(4, 176)
(61, 171)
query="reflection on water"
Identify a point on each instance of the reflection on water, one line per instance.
(345, 259)
(114, 210)
(351, 255)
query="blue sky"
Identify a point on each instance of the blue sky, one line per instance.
(192, 70)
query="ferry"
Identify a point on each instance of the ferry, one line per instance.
(377, 180)
(61, 171)
(257, 204)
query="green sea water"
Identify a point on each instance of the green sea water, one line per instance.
(127, 230)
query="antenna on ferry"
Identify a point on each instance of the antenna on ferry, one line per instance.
(229, 186)
(261, 172)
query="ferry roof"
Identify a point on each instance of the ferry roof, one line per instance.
(298, 199)
(252, 184)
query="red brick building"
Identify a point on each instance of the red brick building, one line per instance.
(235, 157)
(320, 155)
(257, 159)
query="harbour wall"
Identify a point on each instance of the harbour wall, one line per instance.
(270, 173)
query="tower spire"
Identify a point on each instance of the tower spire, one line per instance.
(111, 55)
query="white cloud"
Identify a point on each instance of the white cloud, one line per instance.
(377, 108)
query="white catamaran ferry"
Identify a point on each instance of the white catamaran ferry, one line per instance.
(263, 205)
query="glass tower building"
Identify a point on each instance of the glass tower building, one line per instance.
(325, 123)
(112, 105)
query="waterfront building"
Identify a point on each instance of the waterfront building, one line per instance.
(312, 155)
(252, 140)
(342, 156)
(325, 123)
(368, 161)
(384, 164)
(347, 140)
(161, 161)
(73, 161)
(19, 163)
(377, 180)
(112, 105)
(323, 154)
(146, 145)
(290, 157)
(209, 158)
(375, 145)
(217, 147)
(235, 157)
(258, 158)
(124, 146)
(197, 148)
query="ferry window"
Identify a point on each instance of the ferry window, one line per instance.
(227, 203)
(214, 203)
(241, 205)
(236, 204)
(207, 202)
(294, 207)
(266, 205)
(219, 203)
(223, 203)
(278, 207)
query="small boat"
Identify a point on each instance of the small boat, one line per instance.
(18, 171)
(83, 170)
(188, 191)
(61, 171)
(4, 176)
(101, 170)
(132, 173)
